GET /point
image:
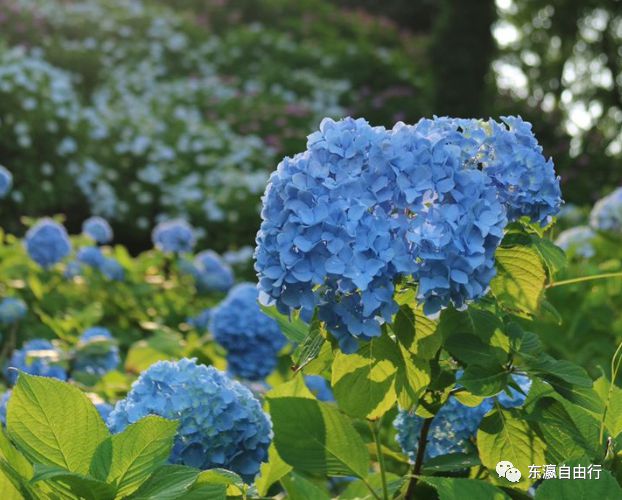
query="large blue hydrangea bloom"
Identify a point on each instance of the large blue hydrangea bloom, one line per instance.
(577, 240)
(36, 357)
(452, 428)
(364, 206)
(4, 401)
(47, 243)
(6, 181)
(174, 236)
(96, 352)
(211, 273)
(607, 213)
(251, 338)
(90, 256)
(98, 229)
(12, 310)
(221, 424)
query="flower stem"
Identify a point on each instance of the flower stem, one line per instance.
(423, 441)
(383, 477)
(584, 278)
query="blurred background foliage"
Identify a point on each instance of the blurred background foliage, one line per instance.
(143, 110)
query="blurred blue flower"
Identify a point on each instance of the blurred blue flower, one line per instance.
(211, 273)
(90, 256)
(96, 352)
(252, 339)
(12, 310)
(174, 236)
(201, 320)
(108, 266)
(6, 181)
(221, 424)
(452, 428)
(319, 386)
(4, 401)
(607, 213)
(36, 357)
(577, 241)
(111, 268)
(98, 229)
(47, 243)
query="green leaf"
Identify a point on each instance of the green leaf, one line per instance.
(82, 486)
(461, 489)
(504, 436)
(271, 471)
(520, 279)
(129, 458)
(485, 381)
(8, 489)
(293, 328)
(416, 332)
(358, 490)
(53, 423)
(604, 488)
(570, 432)
(300, 488)
(372, 371)
(163, 345)
(169, 482)
(451, 462)
(612, 395)
(221, 477)
(317, 439)
(310, 348)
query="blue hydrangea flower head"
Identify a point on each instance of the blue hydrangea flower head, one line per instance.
(221, 424)
(211, 273)
(577, 240)
(513, 398)
(36, 357)
(319, 386)
(174, 236)
(72, 269)
(527, 182)
(98, 229)
(607, 213)
(90, 256)
(452, 428)
(47, 243)
(4, 401)
(96, 352)
(12, 310)
(111, 268)
(252, 339)
(365, 205)
(201, 320)
(6, 181)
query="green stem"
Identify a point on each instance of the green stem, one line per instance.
(615, 367)
(423, 441)
(584, 278)
(383, 477)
